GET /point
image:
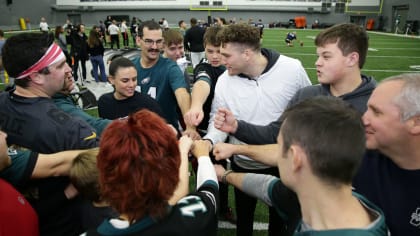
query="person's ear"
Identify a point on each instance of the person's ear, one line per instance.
(296, 153)
(111, 79)
(353, 59)
(37, 78)
(414, 125)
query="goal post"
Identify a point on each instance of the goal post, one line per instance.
(208, 5)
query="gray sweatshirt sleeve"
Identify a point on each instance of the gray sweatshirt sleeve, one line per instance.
(258, 186)
(258, 134)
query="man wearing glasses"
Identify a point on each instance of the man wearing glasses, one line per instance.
(160, 77)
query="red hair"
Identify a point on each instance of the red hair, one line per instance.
(138, 165)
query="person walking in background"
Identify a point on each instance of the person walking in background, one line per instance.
(193, 42)
(43, 25)
(124, 33)
(133, 29)
(79, 51)
(182, 27)
(102, 32)
(61, 40)
(96, 52)
(107, 22)
(114, 33)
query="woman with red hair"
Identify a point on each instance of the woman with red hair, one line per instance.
(143, 174)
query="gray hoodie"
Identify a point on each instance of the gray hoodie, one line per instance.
(258, 134)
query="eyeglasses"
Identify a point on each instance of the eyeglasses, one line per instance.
(150, 42)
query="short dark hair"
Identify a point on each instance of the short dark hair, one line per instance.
(23, 50)
(180, 23)
(193, 21)
(331, 133)
(350, 38)
(242, 34)
(119, 62)
(150, 24)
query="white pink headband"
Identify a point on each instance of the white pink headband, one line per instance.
(51, 56)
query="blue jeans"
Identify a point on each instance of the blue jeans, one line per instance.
(98, 61)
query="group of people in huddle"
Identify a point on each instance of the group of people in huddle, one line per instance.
(337, 158)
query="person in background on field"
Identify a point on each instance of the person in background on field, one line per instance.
(193, 42)
(43, 25)
(96, 50)
(61, 40)
(79, 51)
(290, 36)
(124, 33)
(114, 33)
(133, 29)
(260, 26)
(182, 27)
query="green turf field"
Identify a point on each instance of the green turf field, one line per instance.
(388, 55)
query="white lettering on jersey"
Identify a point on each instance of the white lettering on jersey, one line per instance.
(152, 92)
(193, 204)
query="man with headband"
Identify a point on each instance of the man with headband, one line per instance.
(32, 120)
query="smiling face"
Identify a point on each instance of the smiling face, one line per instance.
(331, 64)
(233, 58)
(125, 82)
(151, 44)
(383, 126)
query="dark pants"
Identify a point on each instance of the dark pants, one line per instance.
(76, 67)
(125, 39)
(245, 208)
(115, 39)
